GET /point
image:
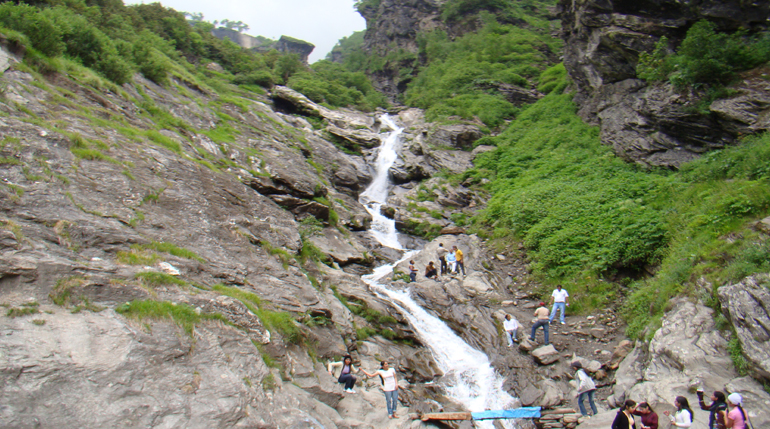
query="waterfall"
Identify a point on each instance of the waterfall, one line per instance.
(468, 376)
(376, 194)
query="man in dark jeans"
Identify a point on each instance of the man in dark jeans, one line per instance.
(441, 253)
(716, 421)
(541, 319)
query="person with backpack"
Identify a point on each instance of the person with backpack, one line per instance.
(683, 416)
(585, 388)
(736, 417)
(624, 419)
(718, 404)
(389, 385)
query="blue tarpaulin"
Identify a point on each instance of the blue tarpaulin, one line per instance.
(516, 413)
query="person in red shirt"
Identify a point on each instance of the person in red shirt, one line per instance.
(649, 417)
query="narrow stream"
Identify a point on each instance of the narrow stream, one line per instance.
(468, 376)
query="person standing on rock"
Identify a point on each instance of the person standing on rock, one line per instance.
(718, 404)
(625, 418)
(451, 260)
(585, 388)
(541, 319)
(736, 418)
(460, 261)
(559, 300)
(389, 386)
(346, 372)
(511, 327)
(649, 417)
(412, 272)
(683, 416)
(441, 253)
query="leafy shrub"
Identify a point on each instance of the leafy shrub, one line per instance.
(463, 75)
(704, 57)
(42, 32)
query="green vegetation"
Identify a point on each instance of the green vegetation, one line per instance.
(704, 57)
(278, 322)
(62, 290)
(585, 216)
(331, 84)
(463, 75)
(156, 279)
(26, 309)
(171, 249)
(181, 314)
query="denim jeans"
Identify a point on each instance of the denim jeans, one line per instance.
(558, 306)
(511, 336)
(391, 399)
(545, 324)
(590, 395)
(348, 379)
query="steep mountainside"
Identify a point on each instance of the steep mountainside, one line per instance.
(658, 125)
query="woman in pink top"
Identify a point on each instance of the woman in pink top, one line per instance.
(736, 418)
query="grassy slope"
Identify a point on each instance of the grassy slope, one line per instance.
(585, 216)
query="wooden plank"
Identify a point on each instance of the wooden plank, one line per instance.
(445, 416)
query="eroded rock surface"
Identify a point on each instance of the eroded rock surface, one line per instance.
(654, 124)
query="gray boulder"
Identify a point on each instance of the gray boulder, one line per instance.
(747, 305)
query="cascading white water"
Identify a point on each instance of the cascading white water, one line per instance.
(376, 194)
(468, 376)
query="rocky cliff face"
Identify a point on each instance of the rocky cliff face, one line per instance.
(654, 124)
(392, 27)
(285, 44)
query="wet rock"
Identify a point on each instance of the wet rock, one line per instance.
(360, 137)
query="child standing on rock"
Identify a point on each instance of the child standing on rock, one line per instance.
(585, 388)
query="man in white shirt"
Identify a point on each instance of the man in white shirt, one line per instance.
(559, 300)
(511, 327)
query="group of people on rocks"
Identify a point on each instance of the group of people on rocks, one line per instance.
(724, 413)
(388, 380)
(451, 261)
(543, 317)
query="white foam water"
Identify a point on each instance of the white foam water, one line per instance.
(468, 376)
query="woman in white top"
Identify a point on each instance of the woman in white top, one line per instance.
(389, 386)
(683, 416)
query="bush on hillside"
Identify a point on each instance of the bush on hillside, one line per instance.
(331, 84)
(462, 75)
(704, 57)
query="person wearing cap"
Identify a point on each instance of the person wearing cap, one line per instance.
(718, 404)
(541, 319)
(585, 388)
(736, 417)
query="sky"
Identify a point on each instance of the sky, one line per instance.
(320, 22)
